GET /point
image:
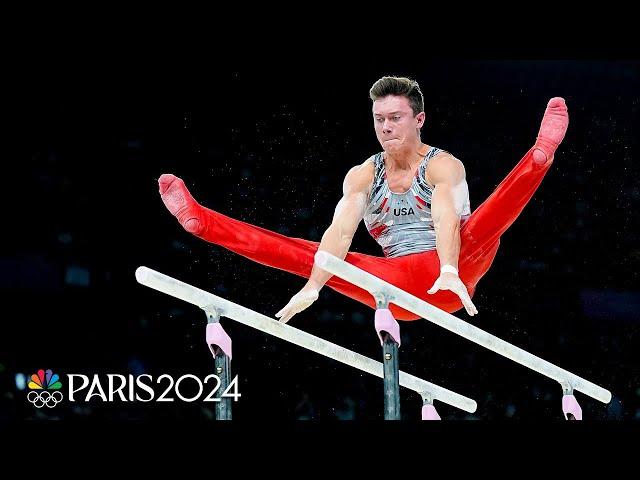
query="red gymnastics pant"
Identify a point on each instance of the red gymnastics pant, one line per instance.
(415, 273)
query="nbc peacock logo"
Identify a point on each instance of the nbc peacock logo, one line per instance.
(41, 385)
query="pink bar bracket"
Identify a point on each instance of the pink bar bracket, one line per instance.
(386, 323)
(571, 406)
(217, 337)
(429, 412)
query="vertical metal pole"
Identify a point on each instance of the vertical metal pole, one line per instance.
(391, 379)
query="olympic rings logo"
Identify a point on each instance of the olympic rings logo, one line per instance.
(40, 399)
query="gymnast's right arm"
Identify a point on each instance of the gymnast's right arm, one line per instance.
(338, 237)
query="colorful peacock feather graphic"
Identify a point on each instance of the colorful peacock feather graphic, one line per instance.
(45, 381)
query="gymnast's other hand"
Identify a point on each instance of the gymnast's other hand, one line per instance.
(451, 281)
(298, 303)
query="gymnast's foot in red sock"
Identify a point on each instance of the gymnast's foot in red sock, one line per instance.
(552, 129)
(180, 203)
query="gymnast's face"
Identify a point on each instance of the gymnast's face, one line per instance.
(397, 128)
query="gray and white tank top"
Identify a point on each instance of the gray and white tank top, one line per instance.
(401, 222)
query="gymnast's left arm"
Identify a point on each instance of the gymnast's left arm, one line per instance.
(448, 176)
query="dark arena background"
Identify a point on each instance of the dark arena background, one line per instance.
(269, 144)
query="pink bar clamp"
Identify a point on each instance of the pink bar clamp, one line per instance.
(217, 337)
(570, 406)
(386, 323)
(429, 412)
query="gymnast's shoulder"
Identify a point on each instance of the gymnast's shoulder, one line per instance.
(360, 177)
(444, 166)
